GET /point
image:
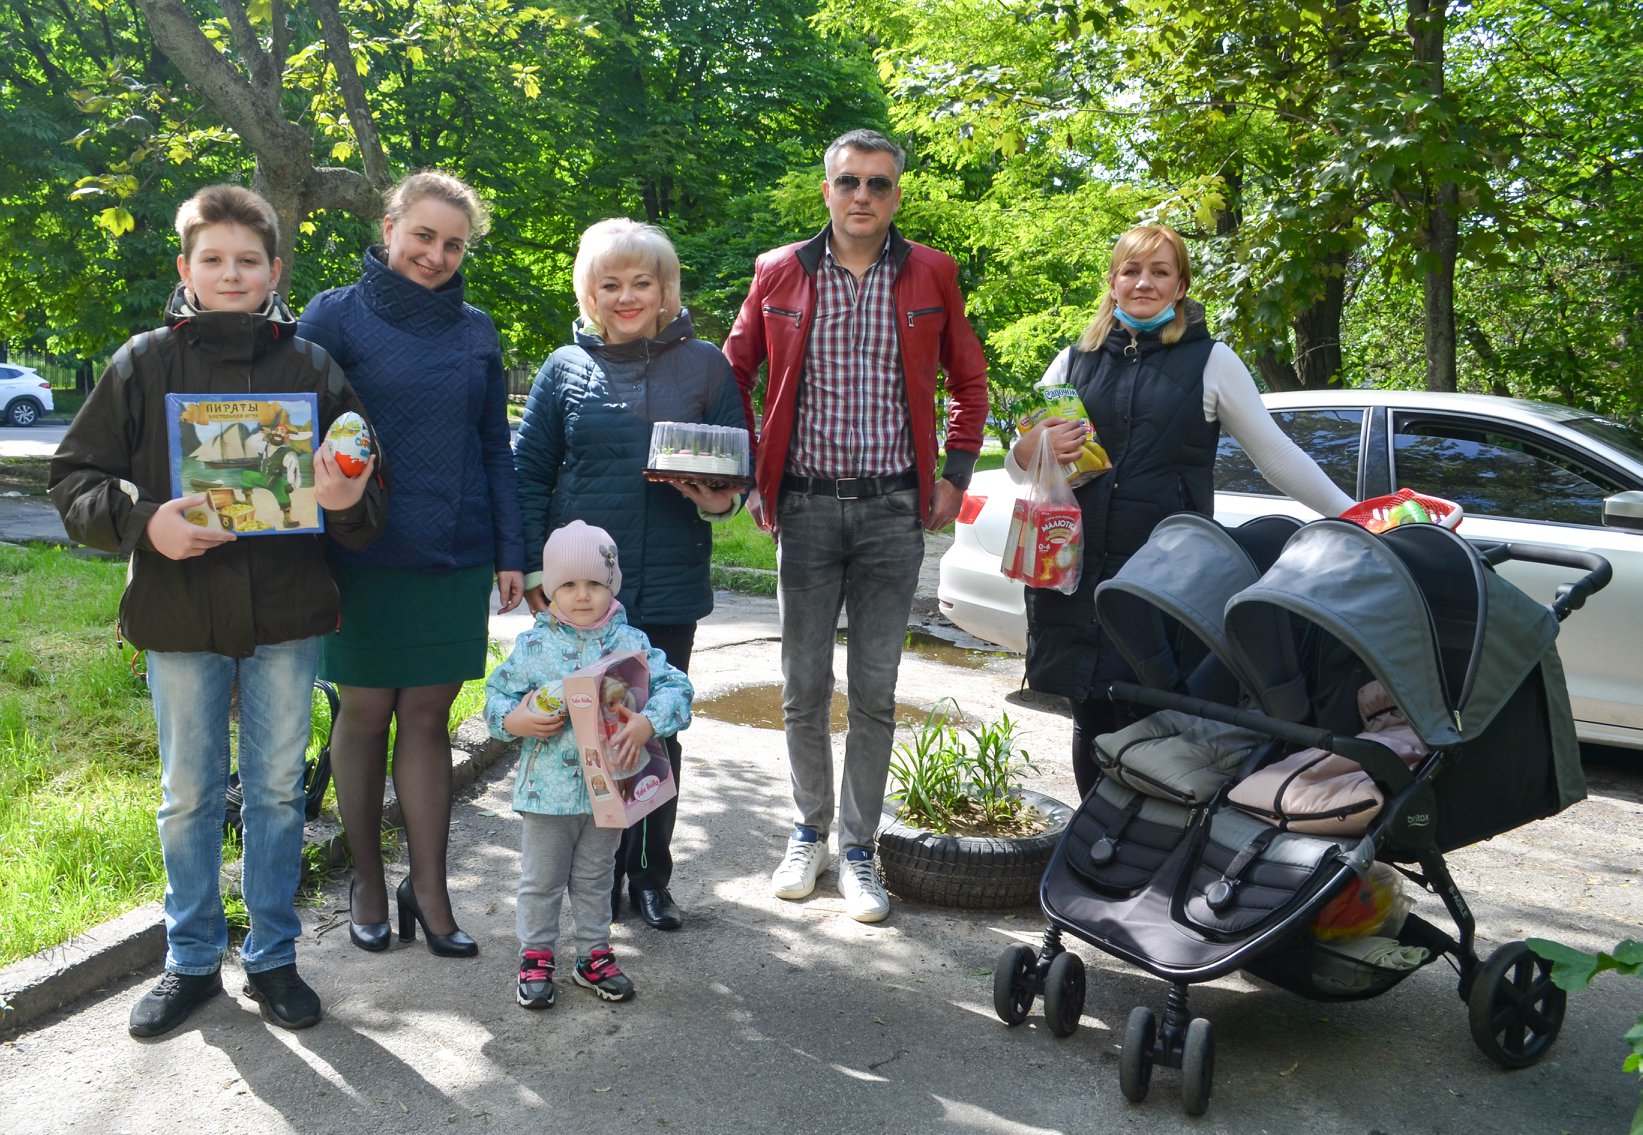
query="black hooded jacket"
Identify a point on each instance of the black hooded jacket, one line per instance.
(112, 472)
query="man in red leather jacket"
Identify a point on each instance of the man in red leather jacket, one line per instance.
(856, 324)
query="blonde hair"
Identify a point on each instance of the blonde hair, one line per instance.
(1140, 243)
(622, 243)
(227, 205)
(441, 186)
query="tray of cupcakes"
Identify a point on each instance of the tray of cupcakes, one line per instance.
(716, 456)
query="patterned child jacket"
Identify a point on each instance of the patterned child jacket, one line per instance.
(548, 779)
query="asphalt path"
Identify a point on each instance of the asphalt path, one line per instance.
(763, 1015)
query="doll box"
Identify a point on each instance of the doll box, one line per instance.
(592, 695)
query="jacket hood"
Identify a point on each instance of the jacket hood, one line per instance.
(406, 303)
(681, 328)
(261, 329)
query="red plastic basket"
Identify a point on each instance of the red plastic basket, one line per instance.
(1377, 513)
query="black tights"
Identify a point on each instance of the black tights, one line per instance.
(422, 782)
(1091, 718)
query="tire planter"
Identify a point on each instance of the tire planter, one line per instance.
(971, 872)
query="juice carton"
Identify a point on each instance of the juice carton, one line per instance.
(1057, 554)
(1064, 402)
(620, 796)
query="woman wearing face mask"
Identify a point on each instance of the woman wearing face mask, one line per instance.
(1157, 390)
(428, 367)
(582, 449)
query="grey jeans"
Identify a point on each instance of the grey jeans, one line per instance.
(557, 852)
(863, 556)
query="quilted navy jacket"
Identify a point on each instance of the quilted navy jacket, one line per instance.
(428, 367)
(583, 446)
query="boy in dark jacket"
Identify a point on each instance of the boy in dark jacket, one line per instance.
(215, 610)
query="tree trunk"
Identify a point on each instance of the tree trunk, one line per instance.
(1428, 20)
(1318, 332)
(249, 105)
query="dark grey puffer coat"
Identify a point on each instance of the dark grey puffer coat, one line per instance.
(584, 443)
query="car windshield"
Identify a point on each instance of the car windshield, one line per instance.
(1610, 433)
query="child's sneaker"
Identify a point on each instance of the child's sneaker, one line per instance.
(536, 979)
(598, 972)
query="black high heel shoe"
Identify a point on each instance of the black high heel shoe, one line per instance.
(372, 936)
(453, 945)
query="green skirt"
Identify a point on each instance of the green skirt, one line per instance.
(405, 627)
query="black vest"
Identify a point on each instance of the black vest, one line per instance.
(1146, 401)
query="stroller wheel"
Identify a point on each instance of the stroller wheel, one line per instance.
(1197, 1065)
(1064, 994)
(1012, 989)
(1514, 1008)
(1135, 1059)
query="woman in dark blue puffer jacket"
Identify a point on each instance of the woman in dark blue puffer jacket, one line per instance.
(582, 448)
(428, 367)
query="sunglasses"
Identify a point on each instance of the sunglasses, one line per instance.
(876, 185)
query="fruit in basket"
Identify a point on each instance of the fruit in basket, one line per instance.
(350, 440)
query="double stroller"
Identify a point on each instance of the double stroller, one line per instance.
(1231, 828)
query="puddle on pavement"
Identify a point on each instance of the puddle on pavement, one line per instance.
(761, 707)
(937, 649)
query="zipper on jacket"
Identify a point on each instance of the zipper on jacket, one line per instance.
(914, 314)
(796, 317)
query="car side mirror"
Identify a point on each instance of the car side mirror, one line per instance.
(1624, 510)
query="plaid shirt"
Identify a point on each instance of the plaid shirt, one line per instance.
(852, 412)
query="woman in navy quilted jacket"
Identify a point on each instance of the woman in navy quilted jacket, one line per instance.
(428, 367)
(582, 450)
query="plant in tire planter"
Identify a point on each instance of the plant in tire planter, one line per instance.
(959, 830)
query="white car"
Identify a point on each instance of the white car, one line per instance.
(1523, 471)
(24, 394)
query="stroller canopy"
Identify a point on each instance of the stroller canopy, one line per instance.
(1449, 639)
(1181, 578)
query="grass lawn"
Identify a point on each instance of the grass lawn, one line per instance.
(79, 766)
(26, 475)
(79, 779)
(739, 544)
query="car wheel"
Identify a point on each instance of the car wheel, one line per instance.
(24, 412)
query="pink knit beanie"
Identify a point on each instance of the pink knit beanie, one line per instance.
(580, 551)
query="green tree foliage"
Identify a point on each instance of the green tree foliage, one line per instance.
(1334, 162)
(687, 112)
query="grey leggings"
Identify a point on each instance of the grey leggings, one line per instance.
(556, 853)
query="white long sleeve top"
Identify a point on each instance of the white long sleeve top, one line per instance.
(1230, 397)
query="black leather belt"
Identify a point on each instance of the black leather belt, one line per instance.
(849, 488)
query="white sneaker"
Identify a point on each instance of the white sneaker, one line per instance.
(796, 877)
(865, 898)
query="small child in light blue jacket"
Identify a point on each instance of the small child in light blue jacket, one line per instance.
(561, 847)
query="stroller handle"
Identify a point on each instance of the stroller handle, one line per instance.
(1570, 596)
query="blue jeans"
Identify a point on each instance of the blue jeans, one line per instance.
(192, 693)
(863, 556)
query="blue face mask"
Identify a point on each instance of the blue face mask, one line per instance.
(1135, 324)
